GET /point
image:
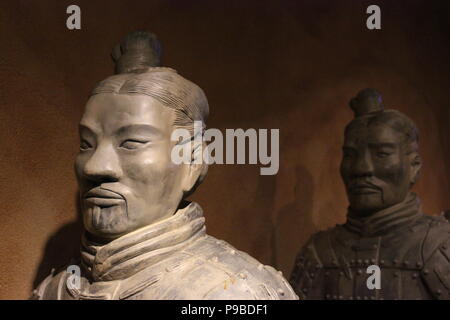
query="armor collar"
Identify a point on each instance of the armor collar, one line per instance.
(384, 221)
(139, 249)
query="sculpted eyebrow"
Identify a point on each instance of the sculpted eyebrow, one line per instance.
(83, 128)
(138, 128)
(382, 145)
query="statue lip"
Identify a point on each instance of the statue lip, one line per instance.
(363, 188)
(100, 192)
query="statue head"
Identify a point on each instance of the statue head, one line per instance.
(380, 160)
(126, 177)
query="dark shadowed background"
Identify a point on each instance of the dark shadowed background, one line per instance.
(291, 65)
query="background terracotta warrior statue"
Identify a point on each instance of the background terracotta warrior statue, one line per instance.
(385, 225)
(142, 240)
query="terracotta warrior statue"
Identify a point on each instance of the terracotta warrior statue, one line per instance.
(142, 239)
(386, 235)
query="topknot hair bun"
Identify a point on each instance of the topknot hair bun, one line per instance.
(138, 51)
(368, 101)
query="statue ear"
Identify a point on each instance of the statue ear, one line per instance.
(416, 164)
(196, 169)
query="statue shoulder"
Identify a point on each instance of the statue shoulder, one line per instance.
(317, 252)
(49, 287)
(436, 253)
(232, 274)
(438, 231)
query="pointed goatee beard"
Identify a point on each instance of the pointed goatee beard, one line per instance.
(108, 222)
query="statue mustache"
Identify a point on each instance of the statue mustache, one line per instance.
(103, 191)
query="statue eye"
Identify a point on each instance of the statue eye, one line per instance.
(132, 144)
(84, 145)
(382, 154)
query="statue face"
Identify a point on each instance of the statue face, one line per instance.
(125, 174)
(376, 167)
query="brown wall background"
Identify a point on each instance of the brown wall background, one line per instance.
(291, 65)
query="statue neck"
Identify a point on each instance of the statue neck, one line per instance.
(139, 249)
(384, 221)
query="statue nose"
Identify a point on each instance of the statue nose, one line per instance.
(103, 165)
(363, 166)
